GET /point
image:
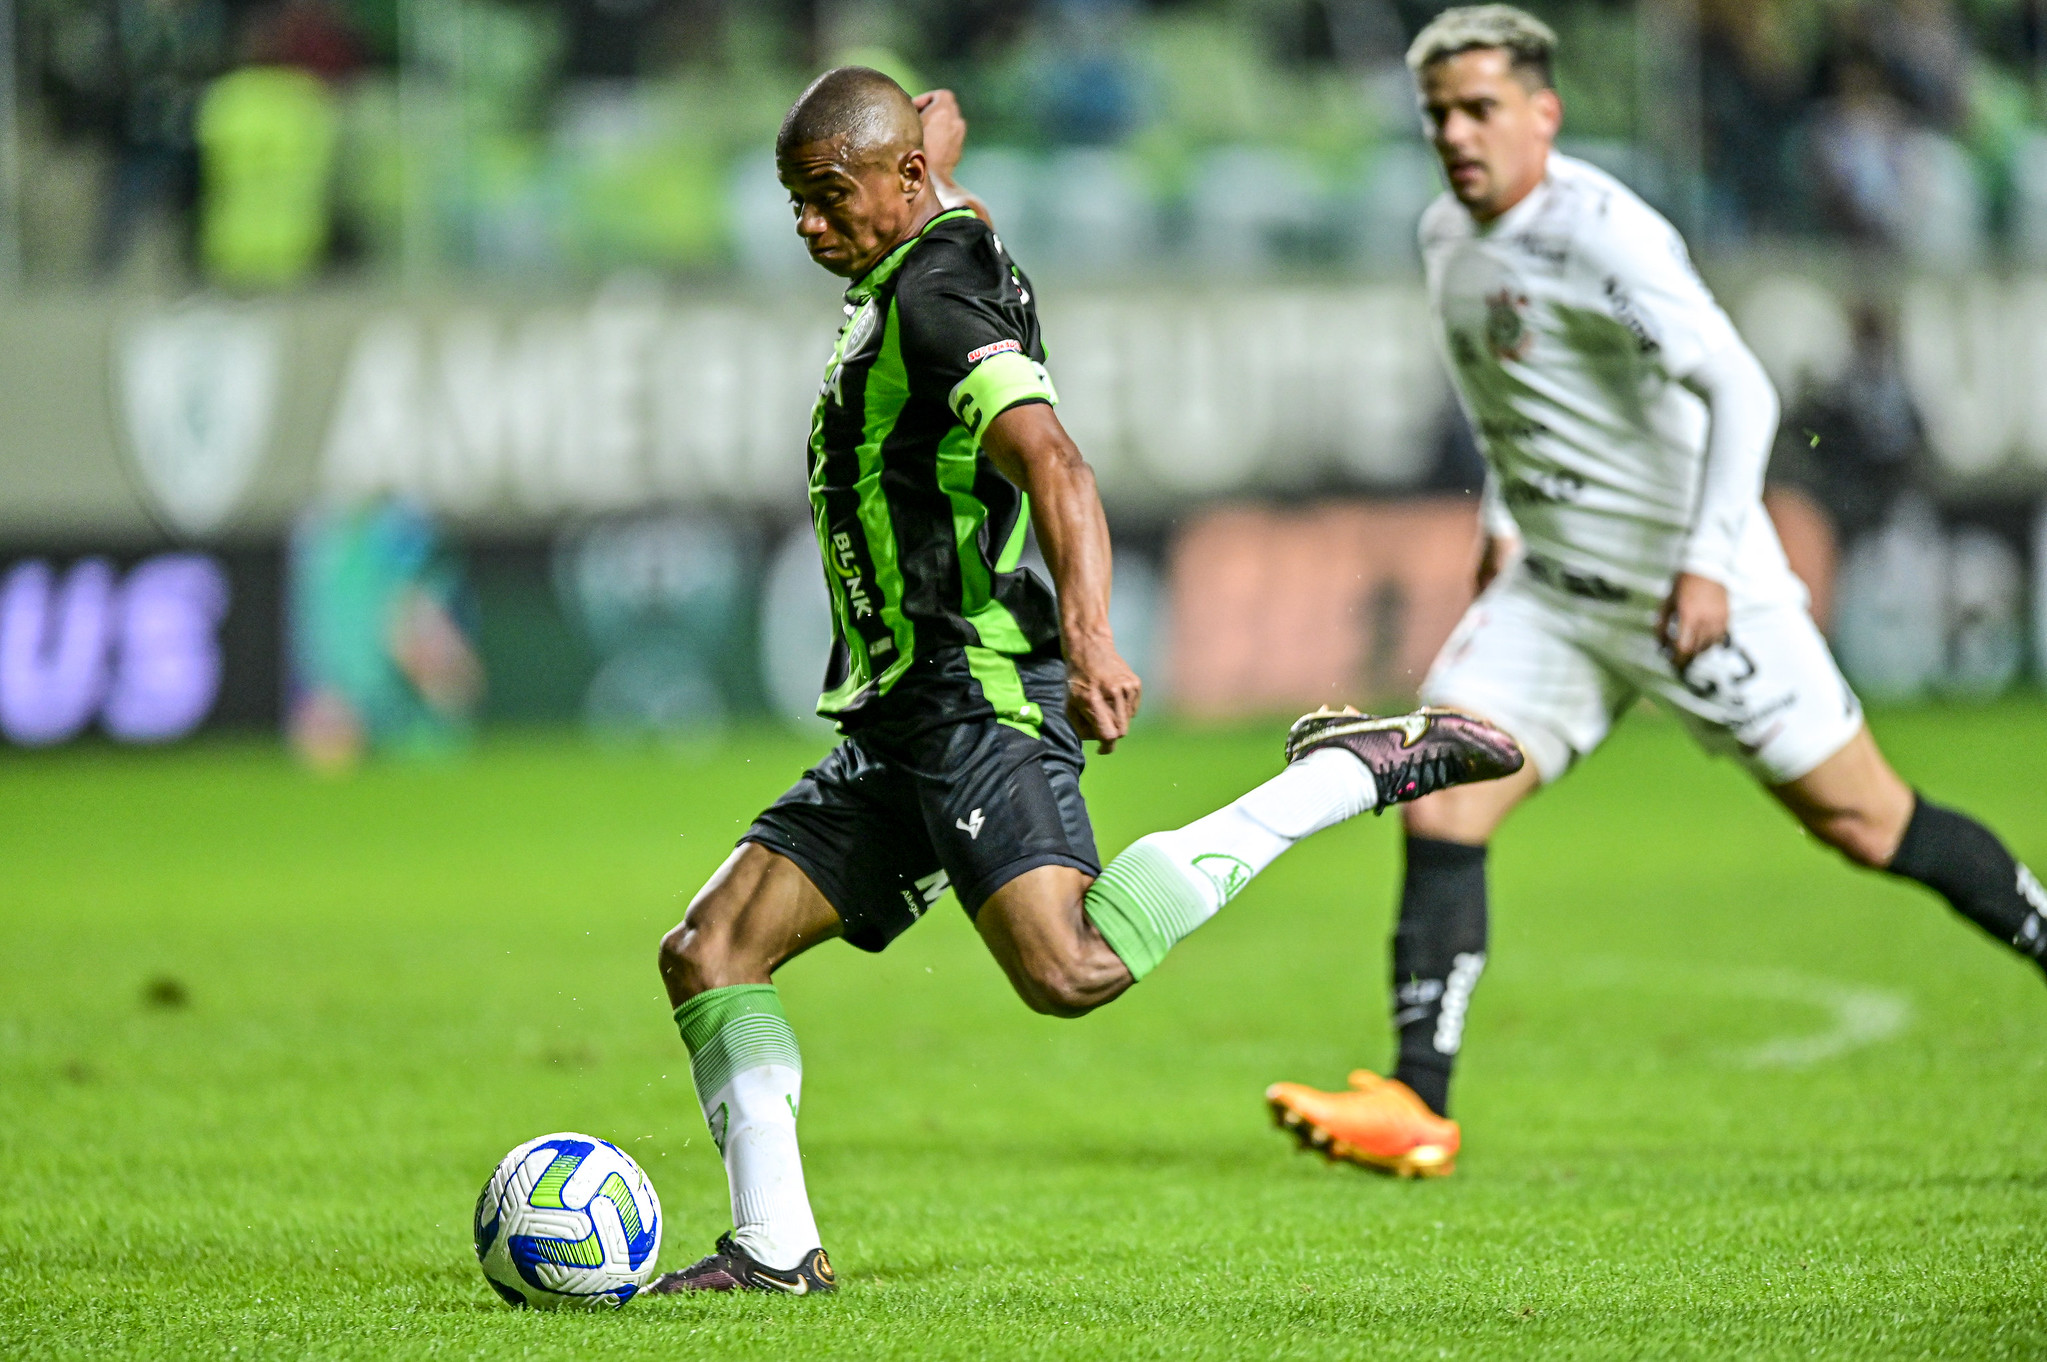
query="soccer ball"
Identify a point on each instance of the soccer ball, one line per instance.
(568, 1220)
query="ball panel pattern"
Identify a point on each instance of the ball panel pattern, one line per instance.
(568, 1220)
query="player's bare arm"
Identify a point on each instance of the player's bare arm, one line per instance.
(1742, 409)
(1030, 448)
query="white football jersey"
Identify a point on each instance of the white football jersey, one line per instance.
(1568, 323)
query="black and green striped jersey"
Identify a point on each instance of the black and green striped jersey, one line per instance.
(921, 536)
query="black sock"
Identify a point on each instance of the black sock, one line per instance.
(1954, 855)
(1438, 954)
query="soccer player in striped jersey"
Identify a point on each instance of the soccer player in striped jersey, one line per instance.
(1626, 428)
(963, 685)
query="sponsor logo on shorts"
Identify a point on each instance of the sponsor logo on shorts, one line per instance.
(1719, 673)
(926, 893)
(970, 825)
(1001, 347)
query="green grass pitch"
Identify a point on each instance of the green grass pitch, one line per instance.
(1723, 1097)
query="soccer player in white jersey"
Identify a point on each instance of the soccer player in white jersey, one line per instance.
(1626, 428)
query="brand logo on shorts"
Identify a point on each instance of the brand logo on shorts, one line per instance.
(1001, 347)
(970, 825)
(926, 893)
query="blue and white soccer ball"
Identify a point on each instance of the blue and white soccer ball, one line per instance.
(568, 1220)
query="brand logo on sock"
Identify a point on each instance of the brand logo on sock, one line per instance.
(1227, 873)
(719, 1121)
(1412, 1000)
(1464, 971)
(2031, 891)
(970, 825)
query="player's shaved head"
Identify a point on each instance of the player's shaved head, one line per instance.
(851, 155)
(862, 109)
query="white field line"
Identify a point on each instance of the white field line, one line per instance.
(1860, 1014)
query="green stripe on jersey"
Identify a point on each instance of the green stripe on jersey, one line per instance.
(893, 378)
(729, 1030)
(1002, 686)
(887, 389)
(1012, 552)
(959, 465)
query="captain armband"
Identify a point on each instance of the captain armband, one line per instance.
(995, 385)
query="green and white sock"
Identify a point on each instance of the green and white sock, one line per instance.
(749, 1078)
(1165, 885)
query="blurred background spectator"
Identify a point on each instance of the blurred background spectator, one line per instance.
(549, 293)
(262, 144)
(1857, 443)
(380, 653)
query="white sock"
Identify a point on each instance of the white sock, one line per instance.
(771, 1216)
(749, 1080)
(1166, 884)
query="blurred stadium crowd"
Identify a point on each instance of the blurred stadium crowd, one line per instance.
(257, 144)
(375, 368)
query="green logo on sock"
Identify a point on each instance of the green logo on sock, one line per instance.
(720, 1122)
(1228, 873)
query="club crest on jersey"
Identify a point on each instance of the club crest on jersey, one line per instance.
(1505, 330)
(1001, 347)
(861, 329)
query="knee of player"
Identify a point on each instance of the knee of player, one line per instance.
(1444, 818)
(690, 956)
(1058, 988)
(674, 946)
(1059, 997)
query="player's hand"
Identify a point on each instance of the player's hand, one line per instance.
(1693, 619)
(1101, 692)
(945, 132)
(1493, 556)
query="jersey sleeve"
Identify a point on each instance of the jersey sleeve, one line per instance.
(968, 333)
(1645, 275)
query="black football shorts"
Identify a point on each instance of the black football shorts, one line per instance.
(897, 813)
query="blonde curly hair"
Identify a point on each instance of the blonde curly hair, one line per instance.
(1529, 43)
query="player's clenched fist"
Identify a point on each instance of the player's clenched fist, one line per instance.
(1102, 693)
(1693, 619)
(945, 130)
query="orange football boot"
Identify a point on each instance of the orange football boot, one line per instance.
(1379, 1123)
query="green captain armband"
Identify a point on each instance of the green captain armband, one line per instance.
(996, 384)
